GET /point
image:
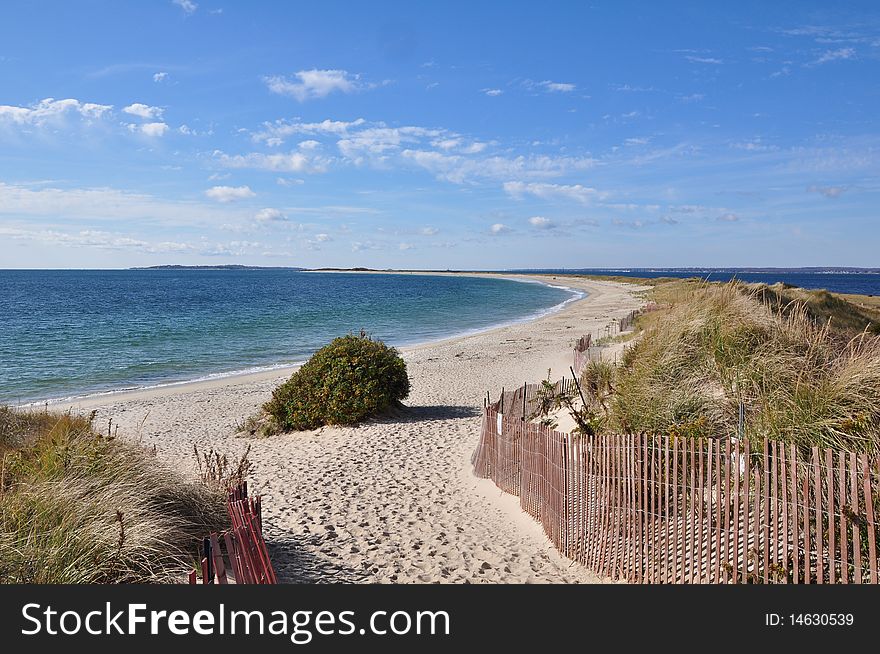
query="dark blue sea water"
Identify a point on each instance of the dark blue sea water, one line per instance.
(67, 333)
(863, 283)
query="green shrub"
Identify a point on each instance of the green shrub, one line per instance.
(345, 382)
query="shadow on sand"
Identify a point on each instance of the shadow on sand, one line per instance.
(295, 564)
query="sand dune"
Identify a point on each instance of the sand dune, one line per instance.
(393, 500)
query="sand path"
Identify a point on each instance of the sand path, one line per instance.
(393, 500)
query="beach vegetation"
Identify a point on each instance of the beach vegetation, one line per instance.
(79, 506)
(344, 383)
(803, 365)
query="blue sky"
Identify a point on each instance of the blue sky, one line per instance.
(449, 135)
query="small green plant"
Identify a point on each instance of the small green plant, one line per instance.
(548, 400)
(344, 383)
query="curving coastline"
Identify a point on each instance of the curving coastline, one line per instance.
(392, 500)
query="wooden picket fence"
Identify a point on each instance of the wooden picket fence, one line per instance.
(521, 402)
(246, 557)
(584, 348)
(582, 352)
(691, 510)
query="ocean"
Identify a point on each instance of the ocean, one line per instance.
(66, 333)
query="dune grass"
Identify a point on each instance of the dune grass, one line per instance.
(806, 368)
(80, 507)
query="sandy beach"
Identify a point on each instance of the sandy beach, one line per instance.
(391, 501)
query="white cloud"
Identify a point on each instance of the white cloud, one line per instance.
(94, 239)
(582, 194)
(160, 77)
(375, 142)
(727, 218)
(189, 7)
(279, 130)
(429, 231)
(269, 215)
(359, 246)
(632, 224)
(281, 162)
(557, 87)
(406, 246)
(229, 193)
(309, 144)
(494, 93)
(143, 111)
(51, 111)
(323, 238)
(311, 84)
(460, 169)
(840, 54)
(499, 228)
(754, 145)
(540, 222)
(154, 129)
(704, 60)
(106, 205)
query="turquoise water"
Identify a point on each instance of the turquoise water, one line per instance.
(67, 333)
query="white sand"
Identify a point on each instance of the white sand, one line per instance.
(393, 500)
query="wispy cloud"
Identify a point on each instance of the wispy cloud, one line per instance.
(188, 6)
(832, 192)
(160, 76)
(274, 133)
(840, 54)
(289, 162)
(546, 191)
(499, 229)
(695, 59)
(51, 203)
(549, 86)
(229, 193)
(493, 92)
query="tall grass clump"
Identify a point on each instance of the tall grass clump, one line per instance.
(799, 379)
(80, 507)
(351, 379)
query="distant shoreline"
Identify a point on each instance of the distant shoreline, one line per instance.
(827, 270)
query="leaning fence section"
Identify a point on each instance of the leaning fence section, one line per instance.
(691, 510)
(246, 559)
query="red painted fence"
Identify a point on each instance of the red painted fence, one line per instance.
(246, 558)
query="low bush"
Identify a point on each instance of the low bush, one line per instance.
(351, 379)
